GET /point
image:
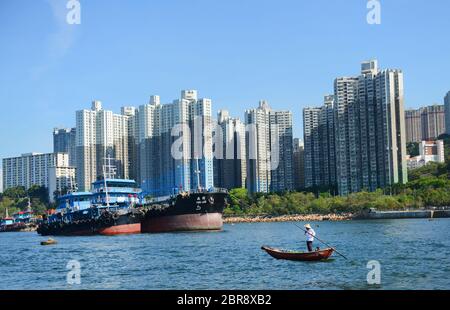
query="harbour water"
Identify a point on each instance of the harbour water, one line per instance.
(413, 254)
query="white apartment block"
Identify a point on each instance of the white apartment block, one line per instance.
(258, 148)
(370, 129)
(60, 179)
(230, 166)
(160, 173)
(31, 169)
(283, 174)
(357, 140)
(269, 144)
(133, 132)
(346, 94)
(429, 151)
(100, 134)
(312, 145)
(320, 155)
(447, 113)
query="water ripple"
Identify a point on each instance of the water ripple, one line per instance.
(232, 259)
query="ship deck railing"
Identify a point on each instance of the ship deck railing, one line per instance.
(200, 191)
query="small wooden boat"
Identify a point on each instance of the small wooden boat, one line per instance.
(49, 242)
(299, 256)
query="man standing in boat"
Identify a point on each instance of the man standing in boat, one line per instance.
(309, 233)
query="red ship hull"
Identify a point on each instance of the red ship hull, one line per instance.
(125, 229)
(183, 222)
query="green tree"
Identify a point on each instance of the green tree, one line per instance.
(15, 192)
(39, 192)
(412, 148)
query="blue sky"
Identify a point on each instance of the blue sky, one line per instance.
(235, 52)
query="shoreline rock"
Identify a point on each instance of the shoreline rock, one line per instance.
(288, 218)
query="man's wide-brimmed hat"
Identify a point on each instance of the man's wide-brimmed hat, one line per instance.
(307, 226)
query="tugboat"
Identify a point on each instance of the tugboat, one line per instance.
(116, 201)
(74, 215)
(20, 221)
(8, 224)
(110, 209)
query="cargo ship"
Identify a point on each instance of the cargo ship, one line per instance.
(199, 210)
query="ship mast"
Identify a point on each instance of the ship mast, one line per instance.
(105, 185)
(197, 171)
(108, 174)
(72, 186)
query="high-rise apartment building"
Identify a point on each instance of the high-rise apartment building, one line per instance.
(312, 144)
(269, 149)
(413, 125)
(367, 114)
(282, 176)
(175, 145)
(426, 123)
(100, 134)
(319, 137)
(64, 142)
(258, 148)
(328, 145)
(133, 146)
(379, 157)
(346, 134)
(299, 164)
(230, 165)
(433, 122)
(447, 113)
(31, 169)
(390, 136)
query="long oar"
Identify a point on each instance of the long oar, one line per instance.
(321, 241)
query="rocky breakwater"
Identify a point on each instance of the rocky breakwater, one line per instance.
(288, 218)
